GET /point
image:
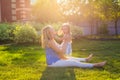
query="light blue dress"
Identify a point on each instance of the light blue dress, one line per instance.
(69, 49)
(51, 56)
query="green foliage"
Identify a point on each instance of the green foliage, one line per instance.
(38, 26)
(56, 26)
(6, 31)
(25, 33)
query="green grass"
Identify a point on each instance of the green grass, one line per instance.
(104, 37)
(18, 62)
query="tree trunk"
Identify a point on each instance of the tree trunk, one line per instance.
(116, 31)
(91, 27)
(97, 24)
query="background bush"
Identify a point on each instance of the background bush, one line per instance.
(30, 32)
(38, 26)
(6, 31)
(25, 33)
(76, 31)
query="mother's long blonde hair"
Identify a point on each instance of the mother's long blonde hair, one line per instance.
(46, 35)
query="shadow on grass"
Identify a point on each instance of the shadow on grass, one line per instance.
(58, 74)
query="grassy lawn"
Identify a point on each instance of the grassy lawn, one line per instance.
(28, 62)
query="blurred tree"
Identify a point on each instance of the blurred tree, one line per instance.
(110, 11)
(92, 13)
(70, 10)
(115, 14)
(96, 12)
(46, 11)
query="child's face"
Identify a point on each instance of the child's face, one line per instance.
(65, 30)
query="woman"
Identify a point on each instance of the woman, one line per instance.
(55, 55)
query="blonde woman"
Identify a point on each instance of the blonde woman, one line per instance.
(55, 56)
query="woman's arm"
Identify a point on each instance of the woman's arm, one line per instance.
(59, 51)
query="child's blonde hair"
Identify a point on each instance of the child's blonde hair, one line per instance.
(46, 36)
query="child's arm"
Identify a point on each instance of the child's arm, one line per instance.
(67, 38)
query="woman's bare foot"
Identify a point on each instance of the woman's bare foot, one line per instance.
(89, 57)
(101, 64)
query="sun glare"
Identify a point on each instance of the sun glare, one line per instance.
(62, 1)
(58, 1)
(33, 1)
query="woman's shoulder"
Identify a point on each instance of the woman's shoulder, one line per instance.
(50, 42)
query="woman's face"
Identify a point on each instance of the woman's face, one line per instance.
(52, 31)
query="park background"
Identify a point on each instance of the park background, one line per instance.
(95, 27)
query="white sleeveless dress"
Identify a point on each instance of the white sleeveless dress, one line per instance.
(68, 48)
